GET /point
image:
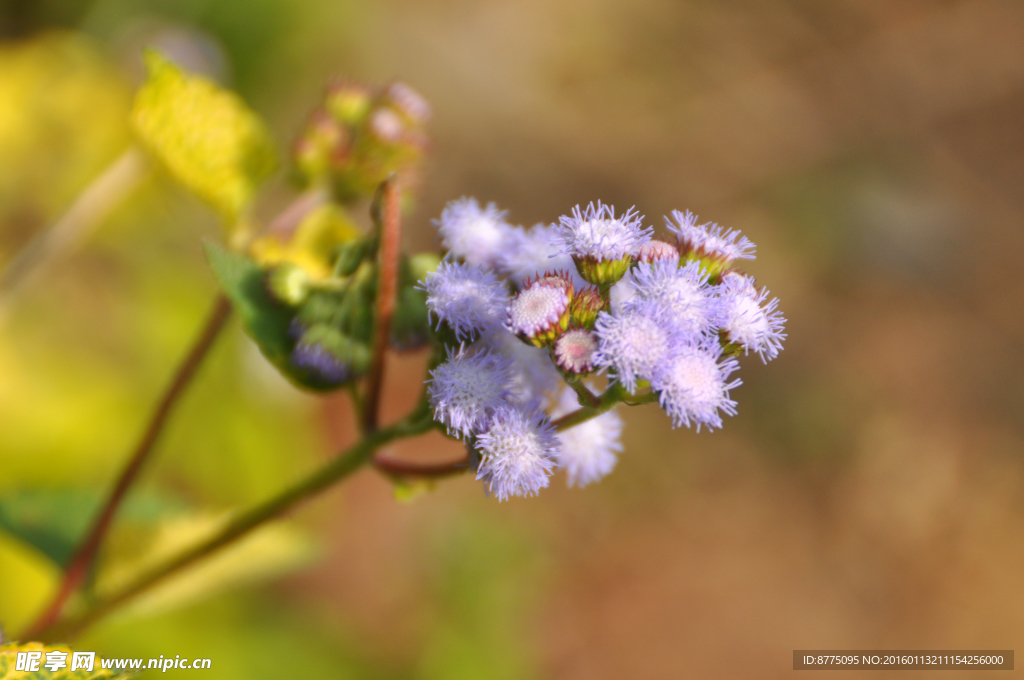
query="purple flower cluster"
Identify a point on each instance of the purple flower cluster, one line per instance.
(529, 315)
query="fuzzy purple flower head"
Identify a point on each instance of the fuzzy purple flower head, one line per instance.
(683, 290)
(530, 253)
(545, 308)
(747, 319)
(601, 244)
(470, 299)
(693, 386)
(708, 241)
(468, 389)
(534, 377)
(518, 453)
(588, 451)
(635, 343)
(479, 236)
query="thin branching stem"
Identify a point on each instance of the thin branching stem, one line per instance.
(587, 398)
(113, 184)
(401, 469)
(615, 394)
(81, 561)
(339, 468)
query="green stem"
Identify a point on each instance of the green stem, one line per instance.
(614, 395)
(641, 399)
(587, 398)
(339, 468)
(81, 561)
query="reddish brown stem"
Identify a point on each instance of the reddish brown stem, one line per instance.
(81, 561)
(390, 233)
(407, 470)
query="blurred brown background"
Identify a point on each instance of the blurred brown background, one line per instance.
(868, 495)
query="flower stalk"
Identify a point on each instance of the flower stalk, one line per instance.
(346, 463)
(81, 561)
(389, 231)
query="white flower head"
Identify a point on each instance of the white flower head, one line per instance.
(533, 252)
(534, 377)
(747, 319)
(517, 452)
(595, 233)
(574, 351)
(468, 298)
(708, 240)
(635, 342)
(468, 388)
(477, 235)
(683, 290)
(588, 450)
(621, 294)
(694, 385)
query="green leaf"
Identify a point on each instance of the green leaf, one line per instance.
(53, 520)
(265, 320)
(269, 322)
(207, 137)
(9, 660)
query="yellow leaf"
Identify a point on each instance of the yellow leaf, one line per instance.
(63, 118)
(29, 579)
(207, 137)
(267, 552)
(315, 243)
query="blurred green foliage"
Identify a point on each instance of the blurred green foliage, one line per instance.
(208, 138)
(63, 118)
(86, 352)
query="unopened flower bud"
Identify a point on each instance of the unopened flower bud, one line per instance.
(585, 306)
(540, 312)
(387, 126)
(324, 144)
(409, 103)
(349, 102)
(288, 283)
(324, 358)
(655, 250)
(574, 352)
